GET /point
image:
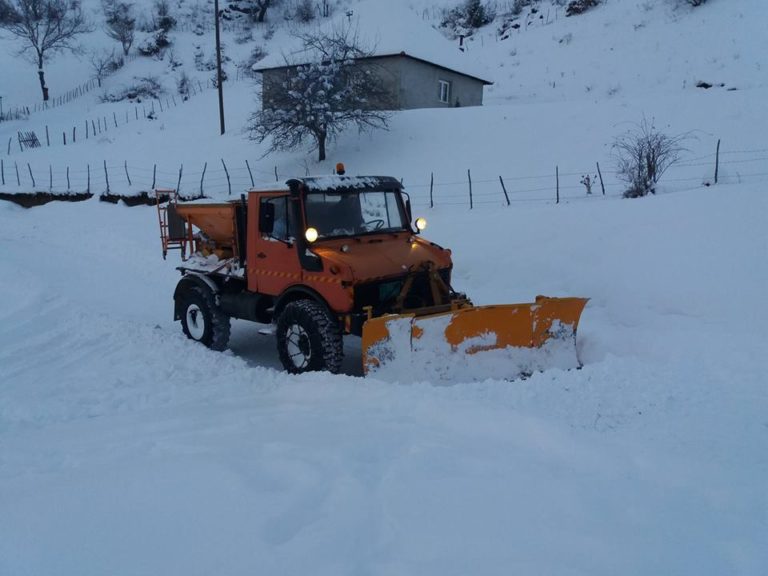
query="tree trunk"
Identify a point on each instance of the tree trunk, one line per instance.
(262, 12)
(321, 146)
(41, 74)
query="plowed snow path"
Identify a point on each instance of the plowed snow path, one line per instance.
(127, 449)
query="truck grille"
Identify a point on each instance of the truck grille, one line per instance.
(382, 294)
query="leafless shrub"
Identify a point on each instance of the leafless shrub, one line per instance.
(246, 66)
(579, 6)
(468, 16)
(642, 156)
(103, 64)
(183, 85)
(304, 11)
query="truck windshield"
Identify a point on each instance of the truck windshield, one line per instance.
(354, 213)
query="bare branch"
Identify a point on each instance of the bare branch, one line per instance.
(319, 99)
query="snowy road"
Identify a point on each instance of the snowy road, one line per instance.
(126, 449)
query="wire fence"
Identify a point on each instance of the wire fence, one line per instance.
(23, 111)
(87, 128)
(225, 178)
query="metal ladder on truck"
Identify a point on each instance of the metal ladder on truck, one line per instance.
(175, 232)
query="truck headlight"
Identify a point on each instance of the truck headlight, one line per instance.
(421, 223)
(311, 235)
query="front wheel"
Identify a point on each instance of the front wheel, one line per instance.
(202, 320)
(308, 338)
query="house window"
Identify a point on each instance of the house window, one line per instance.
(445, 91)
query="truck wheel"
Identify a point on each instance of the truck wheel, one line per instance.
(308, 338)
(202, 320)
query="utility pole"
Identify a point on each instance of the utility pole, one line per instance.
(219, 82)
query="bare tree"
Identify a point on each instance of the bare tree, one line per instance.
(643, 155)
(120, 23)
(254, 10)
(261, 7)
(45, 27)
(318, 99)
(103, 64)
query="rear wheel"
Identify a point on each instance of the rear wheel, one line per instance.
(202, 320)
(308, 338)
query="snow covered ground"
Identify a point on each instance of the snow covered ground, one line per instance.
(126, 449)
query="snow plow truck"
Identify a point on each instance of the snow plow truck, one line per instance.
(325, 257)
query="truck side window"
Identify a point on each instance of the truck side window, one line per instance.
(283, 228)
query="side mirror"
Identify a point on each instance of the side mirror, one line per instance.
(266, 218)
(408, 214)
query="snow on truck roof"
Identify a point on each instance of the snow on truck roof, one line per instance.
(349, 183)
(339, 184)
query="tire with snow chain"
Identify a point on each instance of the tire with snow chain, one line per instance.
(309, 338)
(202, 320)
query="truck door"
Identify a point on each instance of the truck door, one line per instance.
(273, 262)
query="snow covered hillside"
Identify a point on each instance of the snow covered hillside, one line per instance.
(127, 449)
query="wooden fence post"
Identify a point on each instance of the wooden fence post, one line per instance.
(504, 188)
(178, 184)
(106, 175)
(431, 187)
(276, 178)
(74, 134)
(249, 171)
(205, 167)
(2, 170)
(229, 183)
(18, 180)
(154, 175)
(469, 177)
(114, 117)
(125, 165)
(64, 137)
(557, 176)
(88, 186)
(717, 160)
(31, 177)
(9, 145)
(47, 138)
(68, 185)
(602, 184)
(50, 178)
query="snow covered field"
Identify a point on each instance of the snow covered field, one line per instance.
(126, 449)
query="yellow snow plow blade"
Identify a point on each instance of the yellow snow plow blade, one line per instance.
(507, 340)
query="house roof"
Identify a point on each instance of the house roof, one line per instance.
(401, 54)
